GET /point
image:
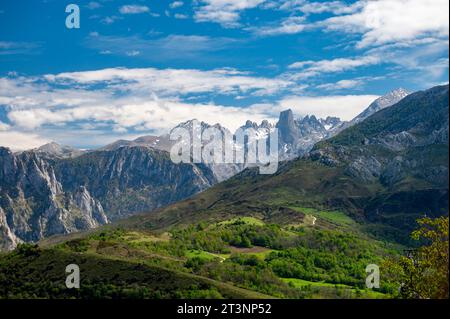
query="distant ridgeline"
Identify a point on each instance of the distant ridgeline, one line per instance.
(388, 166)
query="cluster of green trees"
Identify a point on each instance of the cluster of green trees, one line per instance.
(30, 272)
(424, 272)
(238, 234)
(316, 255)
(329, 256)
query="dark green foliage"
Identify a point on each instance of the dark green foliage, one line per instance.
(43, 276)
(114, 264)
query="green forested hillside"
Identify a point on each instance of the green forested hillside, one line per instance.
(237, 258)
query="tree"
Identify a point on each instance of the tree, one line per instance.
(423, 273)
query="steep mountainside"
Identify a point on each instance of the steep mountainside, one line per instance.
(383, 102)
(402, 146)
(42, 196)
(384, 172)
(298, 136)
(58, 151)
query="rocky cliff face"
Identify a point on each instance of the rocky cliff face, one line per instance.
(297, 137)
(399, 146)
(42, 196)
(33, 203)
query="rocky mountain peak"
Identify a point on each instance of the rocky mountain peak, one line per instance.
(57, 150)
(265, 124)
(310, 120)
(250, 124)
(4, 151)
(382, 102)
(189, 124)
(332, 120)
(287, 127)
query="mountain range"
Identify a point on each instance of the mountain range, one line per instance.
(57, 189)
(385, 172)
(307, 231)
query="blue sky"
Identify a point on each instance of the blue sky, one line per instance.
(140, 67)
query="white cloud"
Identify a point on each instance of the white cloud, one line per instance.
(422, 61)
(133, 53)
(298, 23)
(310, 69)
(225, 12)
(290, 25)
(342, 84)
(344, 106)
(378, 22)
(176, 4)
(108, 103)
(173, 82)
(335, 7)
(93, 5)
(159, 116)
(4, 126)
(110, 19)
(133, 9)
(139, 114)
(390, 21)
(18, 141)
(138, 99)
(180, 16)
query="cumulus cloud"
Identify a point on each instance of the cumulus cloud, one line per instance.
(130, 99)
(308, 69)
(180, 16)
(173, 82)
(376, 22)
(335, 7)
(138, 114)
(290, 25)
(3, 126)
(133, 53)
(92, 5)
(133, 9)
(390, 21)
(110, 19)
(342, 84)
(224, 12)
(18, 141)
(176, 4)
